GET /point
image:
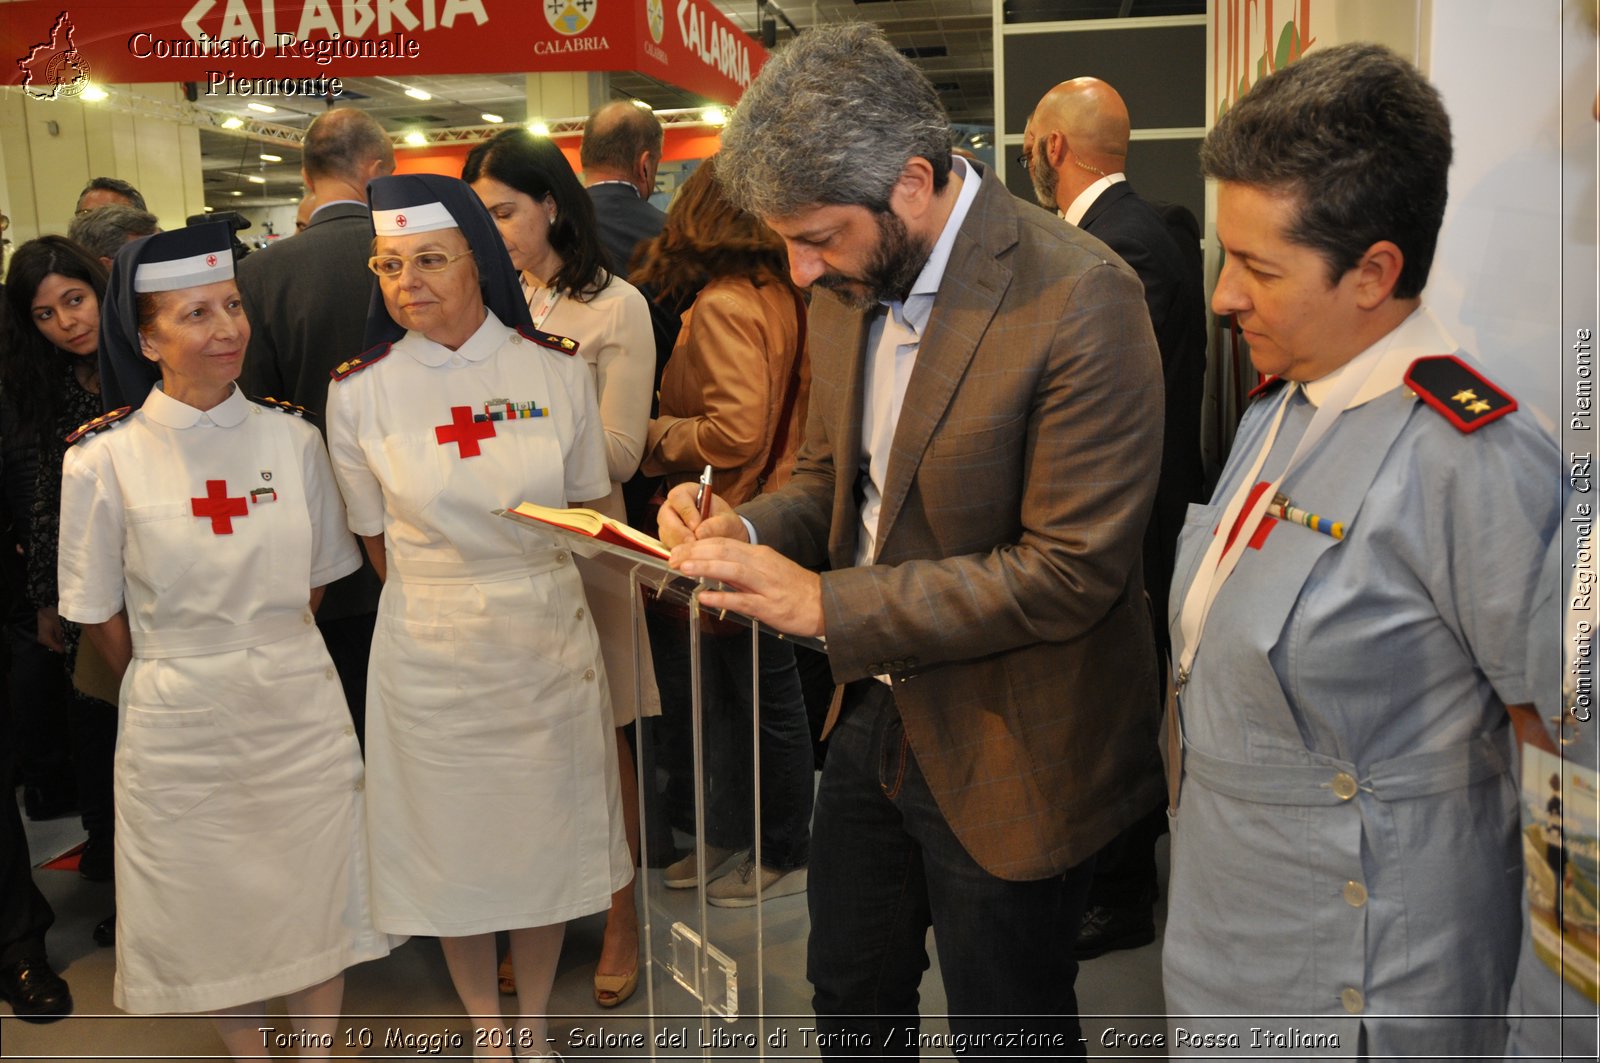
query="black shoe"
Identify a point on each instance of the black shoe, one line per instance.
(105, 931)
(1106, 929)
(35, 992)
(48, 802)
(97, 863)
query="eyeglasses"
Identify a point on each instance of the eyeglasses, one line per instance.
(427, 261)
(1025, 157)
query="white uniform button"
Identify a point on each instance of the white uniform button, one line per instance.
(588, 674)
(561, 557)
(361, 784)
(579, 614)
(307, 618)
(1344, 786)
(1355, 894)
(349, 731)
(327, 673)
(1352, 1000)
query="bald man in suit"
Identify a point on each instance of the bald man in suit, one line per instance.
(1076, 148)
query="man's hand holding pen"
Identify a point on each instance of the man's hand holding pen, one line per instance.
(766, 586)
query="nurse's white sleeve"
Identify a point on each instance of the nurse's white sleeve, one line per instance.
(89, 562)
(584, 473)
(333, 550)
(363, 494)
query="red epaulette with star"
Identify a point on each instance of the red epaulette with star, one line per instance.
(1463, 395)
(361, 361)
(105, 420)
(1266, 385)
(282, 405)
(564, 344)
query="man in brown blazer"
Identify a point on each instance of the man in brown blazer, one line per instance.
(980, 456)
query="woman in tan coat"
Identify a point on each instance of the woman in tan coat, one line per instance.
(733, 396)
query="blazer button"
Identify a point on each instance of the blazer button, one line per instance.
(1355, 894)
(1344, 786)
(1352, 1000)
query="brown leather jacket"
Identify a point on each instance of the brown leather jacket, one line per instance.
(722, 390)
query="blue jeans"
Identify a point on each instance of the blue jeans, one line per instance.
(886, 866)
(785, 753)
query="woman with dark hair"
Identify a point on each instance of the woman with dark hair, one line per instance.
(492, 782)
(203, 529)
(733, 397)
(547, 222)
(52, 380)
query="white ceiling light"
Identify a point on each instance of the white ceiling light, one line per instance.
(233, 122)
(492, 119)
(416, 139)
(271, 158)
(263, 108)
(96, 93)
(418, 94)
(714, 116)
(253, 179)
(538, 129)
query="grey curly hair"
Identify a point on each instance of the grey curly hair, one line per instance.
(832, 119)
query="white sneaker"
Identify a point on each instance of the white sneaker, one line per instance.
(737, 889)
(685, 873)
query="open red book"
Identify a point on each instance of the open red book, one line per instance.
(595, 526)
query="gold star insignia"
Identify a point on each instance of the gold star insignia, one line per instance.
(1479, 407)
(1464, 396)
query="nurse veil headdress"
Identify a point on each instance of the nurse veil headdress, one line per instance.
(422, 202)
(165, 262)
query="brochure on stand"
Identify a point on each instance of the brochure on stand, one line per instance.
(591, 534)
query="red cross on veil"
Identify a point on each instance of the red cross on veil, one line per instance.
(219, 507)
(463, 431)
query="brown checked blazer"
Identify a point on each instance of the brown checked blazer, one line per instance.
(1007, 601)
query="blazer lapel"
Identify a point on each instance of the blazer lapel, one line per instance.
(851, 337)
(969, 294)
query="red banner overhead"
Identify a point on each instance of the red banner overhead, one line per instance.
(302, 47)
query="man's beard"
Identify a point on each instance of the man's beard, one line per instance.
(896, 263)
(1045, 179)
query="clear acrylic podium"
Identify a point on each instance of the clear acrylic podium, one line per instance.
(716, 981)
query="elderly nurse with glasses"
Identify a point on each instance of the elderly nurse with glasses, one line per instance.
(198, 532)
(492, 789)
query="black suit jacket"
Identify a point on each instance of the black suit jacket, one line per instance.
(1174, 292)
(625, 221)
(306, 297)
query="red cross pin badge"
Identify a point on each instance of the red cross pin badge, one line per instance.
(219, 507)
(464, 431)
(400, 220)
(211, 260)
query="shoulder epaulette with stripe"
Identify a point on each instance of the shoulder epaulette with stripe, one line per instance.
(564, 344)
(1265, 386)
(1463, 395)
(361, 361)
(105, 420)
(282, 405)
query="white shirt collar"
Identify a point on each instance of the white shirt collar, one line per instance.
(919, 304)
(1418, 335)
(480, 345)
(166, 410)
(1085, 199)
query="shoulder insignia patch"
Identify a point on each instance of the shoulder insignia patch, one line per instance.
(1265, 386)
(361, 361)
(282, 405)
(564, 344)
(105, 420)
(1463, 395)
